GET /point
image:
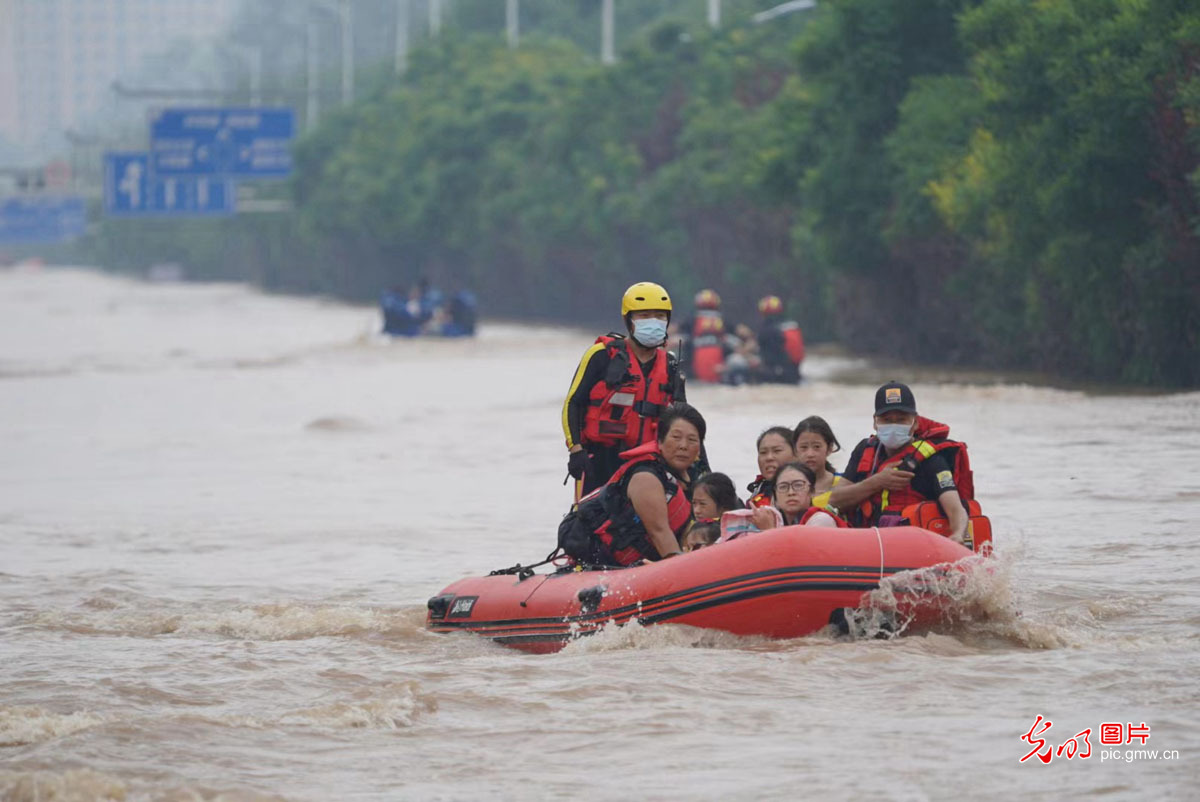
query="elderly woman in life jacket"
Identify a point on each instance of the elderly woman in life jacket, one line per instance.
(645, 505)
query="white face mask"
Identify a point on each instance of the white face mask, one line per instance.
(650, 332)
(894, 435)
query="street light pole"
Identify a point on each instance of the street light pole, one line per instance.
(347, 19)
(401, 36)
(435, 17)
(256, 61)
(312, 110)
(512, 22)
(607, 55)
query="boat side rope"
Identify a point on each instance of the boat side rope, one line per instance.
(879, 537)
(523, 572)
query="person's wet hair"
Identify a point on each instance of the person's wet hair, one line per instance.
(797, 466)
(709, 532)
(681, 409)
(720, 487)
(820, 427)
(782, 431)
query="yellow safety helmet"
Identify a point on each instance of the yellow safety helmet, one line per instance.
(645, 295)
(771, 305)
(708, 299)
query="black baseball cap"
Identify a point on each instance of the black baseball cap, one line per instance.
(894, 395)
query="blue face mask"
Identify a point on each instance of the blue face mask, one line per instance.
(894, 435)
(650, 333)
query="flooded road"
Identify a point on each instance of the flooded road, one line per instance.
(221, 514)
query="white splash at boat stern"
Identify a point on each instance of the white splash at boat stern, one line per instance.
(973, 593)
(636, 636)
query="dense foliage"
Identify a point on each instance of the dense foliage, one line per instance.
(991, 182)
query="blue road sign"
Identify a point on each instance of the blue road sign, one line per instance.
(41, 219)
(132, 190)
(238, 142)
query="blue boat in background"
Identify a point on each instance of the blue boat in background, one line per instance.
(424, 311)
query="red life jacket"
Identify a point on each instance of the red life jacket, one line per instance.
(624, 407)
(708, 348)
(811, 511)
(793, 341)
(930, 437)
(623, 534)
(761, 493)
(708, 358)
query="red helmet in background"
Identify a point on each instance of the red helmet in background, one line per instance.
(771, 305)
(708, 299)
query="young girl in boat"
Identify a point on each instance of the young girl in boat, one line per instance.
(791, 505)
(712, 496)
(814, 442)
(776, 446)
(700, 535)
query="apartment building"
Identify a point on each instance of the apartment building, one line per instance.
(59, 58)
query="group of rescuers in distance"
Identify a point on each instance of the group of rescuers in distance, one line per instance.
(643, 487)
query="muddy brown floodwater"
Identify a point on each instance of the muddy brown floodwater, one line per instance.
(221, 513)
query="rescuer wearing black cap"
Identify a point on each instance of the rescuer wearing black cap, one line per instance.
(908, 460)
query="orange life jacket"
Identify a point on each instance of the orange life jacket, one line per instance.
(624, 407)
(811, 511)
(929, 515)
(793, 341)
(930, 437)
(622, 534)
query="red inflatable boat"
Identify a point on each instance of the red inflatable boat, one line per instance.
(783, 583)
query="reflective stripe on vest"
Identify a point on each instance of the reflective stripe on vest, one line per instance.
(918, 447)
(918, 451)
(627, 413)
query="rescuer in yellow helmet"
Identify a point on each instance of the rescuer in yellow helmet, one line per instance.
(623, 383)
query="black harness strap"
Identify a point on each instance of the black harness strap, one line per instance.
(523, 572)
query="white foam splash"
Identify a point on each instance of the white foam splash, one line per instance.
(295, 622)
(287, 621)
(86, 785)
(397, 708)
(20, 726)
(394, 706)
(976, 596)
(73, 785)
(971, 589)
(634, 635)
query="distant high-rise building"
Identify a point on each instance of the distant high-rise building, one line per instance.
(58, 58)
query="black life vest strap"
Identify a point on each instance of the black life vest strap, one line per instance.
(647, 409)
